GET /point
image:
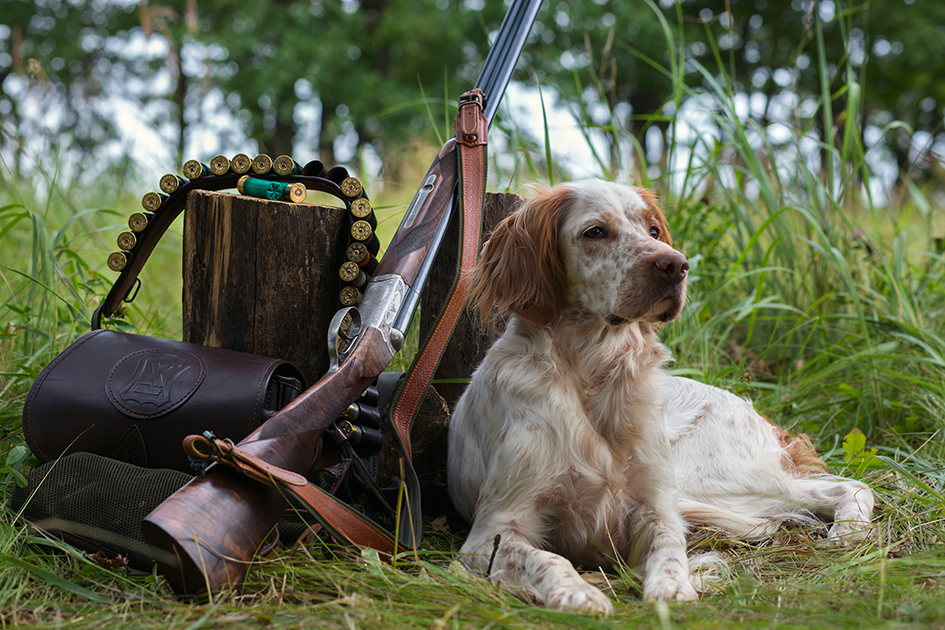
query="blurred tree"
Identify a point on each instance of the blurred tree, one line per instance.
(57, 70)
(343, 74)
(295, 72)
(893, 49)
(357, 68)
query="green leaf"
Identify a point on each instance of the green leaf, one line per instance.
(854, 443)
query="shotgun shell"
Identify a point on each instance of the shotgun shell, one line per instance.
(361, 207)
(358, 253)
(351, 273)
(127, 241)
(276, 191)
(219, 165)
(346, 322)
(361, 436)
(241, 163)
(351, 187)
(284, 165)
(364, 413)
(350, 296)
(171, 182)
(139, 221)
(117, 261)
(296, 193)
(194, 169)
(262, 164)
(361, 230)
(152, 201)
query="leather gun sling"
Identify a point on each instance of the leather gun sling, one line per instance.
(471, 141)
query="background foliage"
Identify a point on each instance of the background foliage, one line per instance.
(327, 77)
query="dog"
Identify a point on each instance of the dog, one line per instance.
(572, 444)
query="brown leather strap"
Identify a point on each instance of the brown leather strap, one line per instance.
(339, 519)
(471, 138)
(344, 522)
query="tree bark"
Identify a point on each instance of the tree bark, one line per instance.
(262, 277)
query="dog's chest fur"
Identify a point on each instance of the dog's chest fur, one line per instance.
(599, 394)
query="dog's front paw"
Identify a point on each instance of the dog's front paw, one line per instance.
(669, 587)
(579, 596)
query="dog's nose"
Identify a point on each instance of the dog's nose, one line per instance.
(672, 266)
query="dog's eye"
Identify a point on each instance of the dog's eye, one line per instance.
(594, 232)
(655, 232)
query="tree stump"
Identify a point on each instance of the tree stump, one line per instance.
(262, 276)
(471, 340)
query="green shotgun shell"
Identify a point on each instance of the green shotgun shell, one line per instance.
(351, 187)
(296, 193)
(241, 163)
(262, 164)
(194, 169)
(139, 221)
(127, 241)
(219, 165)
(284, 165)
(117, 261)
(152, 201)
(350, 296)
(276, 191)
(171, 182)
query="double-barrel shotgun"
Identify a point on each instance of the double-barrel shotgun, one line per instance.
(206, 534)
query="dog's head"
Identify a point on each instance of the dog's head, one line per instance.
(596, 248)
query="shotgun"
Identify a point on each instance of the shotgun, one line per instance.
(206, 534)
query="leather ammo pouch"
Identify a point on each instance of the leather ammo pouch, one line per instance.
(134, 398)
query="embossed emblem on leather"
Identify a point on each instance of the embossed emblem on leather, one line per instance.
(151, 383)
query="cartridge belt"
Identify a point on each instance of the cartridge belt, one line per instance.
(163, 208)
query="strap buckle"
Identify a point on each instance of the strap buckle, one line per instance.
(473, 96)
(471, 126)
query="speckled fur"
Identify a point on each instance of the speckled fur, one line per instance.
(563, 446)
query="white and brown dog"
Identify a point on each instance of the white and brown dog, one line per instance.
(572, 444)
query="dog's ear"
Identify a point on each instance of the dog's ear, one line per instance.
(655, 214)
(520, 270)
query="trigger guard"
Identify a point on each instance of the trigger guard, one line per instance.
(335, 356)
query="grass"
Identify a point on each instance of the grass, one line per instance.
(807, 295)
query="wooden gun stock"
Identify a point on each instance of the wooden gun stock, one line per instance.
(211, 528)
